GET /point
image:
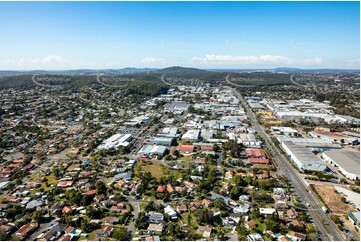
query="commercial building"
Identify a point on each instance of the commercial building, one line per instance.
(347, 161)
(160, 141)
(176, 106)
(170, 132)
(137, 121)
(115, 141)
(355, 218)
(348, 119)
(191, 135)
(315, 144)
(332, 136)
(303, 157)
(284, 131)
(152, 150)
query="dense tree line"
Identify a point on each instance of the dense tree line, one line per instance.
(261, 78)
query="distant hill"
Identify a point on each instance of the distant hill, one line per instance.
(181, 70)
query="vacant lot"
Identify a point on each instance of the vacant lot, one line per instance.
(155, 169)
(333, 199)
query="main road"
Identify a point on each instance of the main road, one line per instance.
(323, 223)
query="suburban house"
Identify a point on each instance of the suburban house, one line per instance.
(205, 231)
(155, 217)
(104, 232)
(155, 228)
(26, 230)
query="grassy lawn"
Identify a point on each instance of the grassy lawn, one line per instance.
(34, 177)
(149, 198)
(175, 173)
(260, 226)
(263, 167)
(52, 180)
(63, 199)
(262, 191)
(91, 236)
(142, 206)
(185, 158)
(193, 221)
(155, 169)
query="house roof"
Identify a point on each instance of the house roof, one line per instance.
(206, 148)
(250, 224)
(205, 229)
(161, 189)
(182, 207)
(66, 209)
(258, 160)
(186, 147)
(298, 235)
(170, 188)
(255, 152)
(155, 227)
(26, 228)
(291, 212)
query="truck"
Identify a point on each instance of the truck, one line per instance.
(324, 209)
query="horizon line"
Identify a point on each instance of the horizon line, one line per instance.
(139, 68)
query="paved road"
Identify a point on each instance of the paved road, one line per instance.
(131, 227)
(165, 82)
(236, 85)
(328, 229)
(107, 85)
(42, 227)
(43, 85)
(296, 83)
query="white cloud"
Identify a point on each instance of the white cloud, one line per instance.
(150, 60)
(53, 58)
(229, 59)
(51, 61)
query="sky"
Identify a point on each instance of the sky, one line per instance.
(99, 35)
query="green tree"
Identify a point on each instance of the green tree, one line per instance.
(120, 234)
(235, 192)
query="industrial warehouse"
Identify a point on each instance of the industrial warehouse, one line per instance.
(348, 162)
(303, 157)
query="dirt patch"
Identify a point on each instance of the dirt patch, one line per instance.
(333, 199)
(155, 169)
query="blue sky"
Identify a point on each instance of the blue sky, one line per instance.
(68, 35)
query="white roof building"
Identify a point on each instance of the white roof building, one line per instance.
(347, 161)
(171, 212)
(192, 134)
(115, 141)
(267, 211)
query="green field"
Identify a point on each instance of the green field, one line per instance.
(155, 169)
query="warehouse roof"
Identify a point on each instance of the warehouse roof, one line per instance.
(347, 159)
(306, 157)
